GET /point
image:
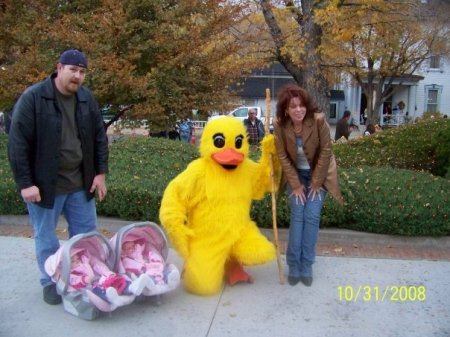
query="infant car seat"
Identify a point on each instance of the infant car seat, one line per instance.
(83, 302)
(151, 237)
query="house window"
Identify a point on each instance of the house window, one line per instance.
(435, 62)
(433, 98)
(333, 109)
(432, 101)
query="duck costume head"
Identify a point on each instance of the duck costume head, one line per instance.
(224, 142)
(205, 210)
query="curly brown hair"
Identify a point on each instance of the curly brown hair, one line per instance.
(285, 95)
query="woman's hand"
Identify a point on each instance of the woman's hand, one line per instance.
(313, 193)
(299, 195)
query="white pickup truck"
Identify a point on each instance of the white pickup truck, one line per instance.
(242, 113)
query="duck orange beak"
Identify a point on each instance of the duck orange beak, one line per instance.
(228, 157)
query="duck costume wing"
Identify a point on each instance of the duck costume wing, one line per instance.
(205, 210)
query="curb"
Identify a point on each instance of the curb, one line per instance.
(326, 235)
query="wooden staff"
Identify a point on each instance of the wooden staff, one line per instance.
(274, 202)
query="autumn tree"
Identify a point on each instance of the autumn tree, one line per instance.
(373, 42)
(378, 42)
(297, 39)
(21, 42)
(165, 57)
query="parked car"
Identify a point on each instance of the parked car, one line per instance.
(242, 113)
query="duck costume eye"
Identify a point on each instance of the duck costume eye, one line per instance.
(238, 142)
(219, 140)
(224, 142)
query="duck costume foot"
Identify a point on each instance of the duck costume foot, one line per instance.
(236, 274)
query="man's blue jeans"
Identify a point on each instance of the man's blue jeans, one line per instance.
(81, 217)
(303, 230)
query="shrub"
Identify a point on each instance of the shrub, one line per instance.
(379, 199)
(410, 147)
(403, 202)
(140, 169)
(10, 200)
(441, 147)
(428, 115)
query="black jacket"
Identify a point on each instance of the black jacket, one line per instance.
(35, 139)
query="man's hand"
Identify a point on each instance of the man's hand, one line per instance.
(99, 185)
(31, 194)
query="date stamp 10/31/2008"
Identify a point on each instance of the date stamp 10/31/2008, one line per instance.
(389, 293)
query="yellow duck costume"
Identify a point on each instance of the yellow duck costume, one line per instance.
(205, 210)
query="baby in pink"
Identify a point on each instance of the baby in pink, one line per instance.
(86, 270)
(89, 272)
(144, 264)
(135, 263)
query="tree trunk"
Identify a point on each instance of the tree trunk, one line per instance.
(316, 83)
(310, 75)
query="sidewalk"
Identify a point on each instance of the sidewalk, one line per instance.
(408, 298)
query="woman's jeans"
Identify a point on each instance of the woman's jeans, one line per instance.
(304, 229)
(81, 217)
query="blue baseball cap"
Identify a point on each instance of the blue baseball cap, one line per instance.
(73, 57)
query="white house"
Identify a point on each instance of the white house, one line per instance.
(253, 90)
(426, 91)
(433, 93)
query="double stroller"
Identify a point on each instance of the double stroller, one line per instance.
(94, 274)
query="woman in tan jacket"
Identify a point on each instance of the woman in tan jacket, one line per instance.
(302, 138)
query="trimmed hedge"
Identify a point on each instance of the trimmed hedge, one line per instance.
(413, 147)
(378, 200)
(441, 150)
(385, 179)
(140, 169)
(10, 200)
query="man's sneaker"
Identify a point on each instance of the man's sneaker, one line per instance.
(51, 296)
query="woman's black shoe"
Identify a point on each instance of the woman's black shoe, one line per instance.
(293, 280)
(306, 280)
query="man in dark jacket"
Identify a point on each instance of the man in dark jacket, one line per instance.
(58, 151)
(342, 127)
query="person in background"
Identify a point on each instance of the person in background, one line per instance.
(255, 128)
(309, 171)
(185, 130)
(363, 117)
(58, 151)
(370, 129)
(343, 127)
